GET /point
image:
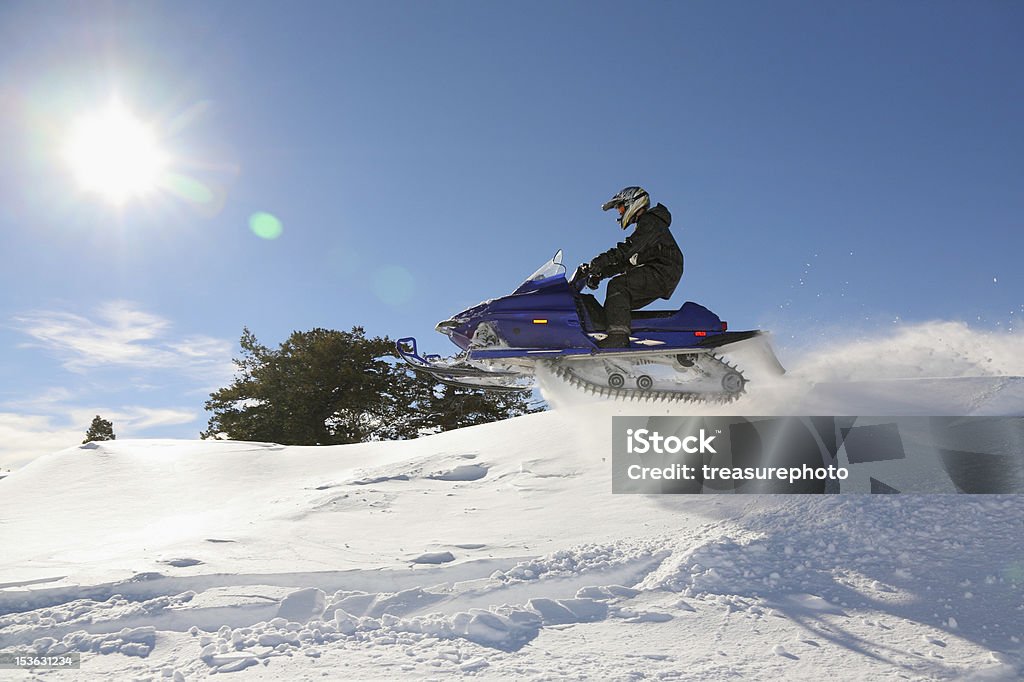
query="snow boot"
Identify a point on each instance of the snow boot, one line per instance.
(616, 338)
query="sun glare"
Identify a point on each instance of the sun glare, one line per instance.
(114, 154)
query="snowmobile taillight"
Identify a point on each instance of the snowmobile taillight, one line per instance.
(540, 321)
(700, 333)
(725, 326)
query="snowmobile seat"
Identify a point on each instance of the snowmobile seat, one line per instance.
(689, 315)
(652, 314)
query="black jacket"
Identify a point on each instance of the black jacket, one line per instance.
(650, 246)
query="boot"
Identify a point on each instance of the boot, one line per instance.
(616, 339)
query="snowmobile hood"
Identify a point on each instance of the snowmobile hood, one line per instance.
(462, 327)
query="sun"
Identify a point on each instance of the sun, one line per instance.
(114, 154)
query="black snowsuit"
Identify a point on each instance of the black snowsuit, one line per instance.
(648, 264)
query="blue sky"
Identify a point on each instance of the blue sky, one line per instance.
(833, 169)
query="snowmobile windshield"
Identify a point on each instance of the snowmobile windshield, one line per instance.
(552, 268)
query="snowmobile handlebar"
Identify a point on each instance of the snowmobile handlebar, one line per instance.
(580, 277)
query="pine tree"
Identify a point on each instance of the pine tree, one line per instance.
(321, 387)
(325, 387)
(100, 429)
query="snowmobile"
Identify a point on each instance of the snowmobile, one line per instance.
(549, 322)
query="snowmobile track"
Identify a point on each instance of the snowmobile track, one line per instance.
(566, 374)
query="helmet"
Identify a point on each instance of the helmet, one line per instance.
(633, 200)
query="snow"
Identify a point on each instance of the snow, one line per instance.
(498, 551)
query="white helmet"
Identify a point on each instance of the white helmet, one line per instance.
(633, 200)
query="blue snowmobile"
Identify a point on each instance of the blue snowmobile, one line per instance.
(548, 323)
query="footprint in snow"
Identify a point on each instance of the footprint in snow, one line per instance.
(182, 563)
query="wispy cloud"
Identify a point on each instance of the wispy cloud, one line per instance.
(23, 437)
(120, 334)
(46, 401)
(118, 349)
(133, 420)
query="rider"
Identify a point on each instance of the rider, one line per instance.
(645, 267)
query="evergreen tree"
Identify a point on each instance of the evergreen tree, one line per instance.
(321, 387)
(100, 429)
(325, 387)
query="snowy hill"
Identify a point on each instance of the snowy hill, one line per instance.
(498, 552)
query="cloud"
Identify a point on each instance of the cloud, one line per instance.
(23, 437)
(132, 420)
(44, 402)
(122, 335)
(120, 354)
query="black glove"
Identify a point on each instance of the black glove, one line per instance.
(590, 274)
(597, 271)
(604, 264)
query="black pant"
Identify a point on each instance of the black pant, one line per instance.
(630, 291)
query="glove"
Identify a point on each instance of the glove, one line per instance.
(593, 273)
(598, 266)
(590, 276)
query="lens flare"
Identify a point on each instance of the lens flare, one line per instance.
(394, 285)
(265, 226)
(189, 189)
